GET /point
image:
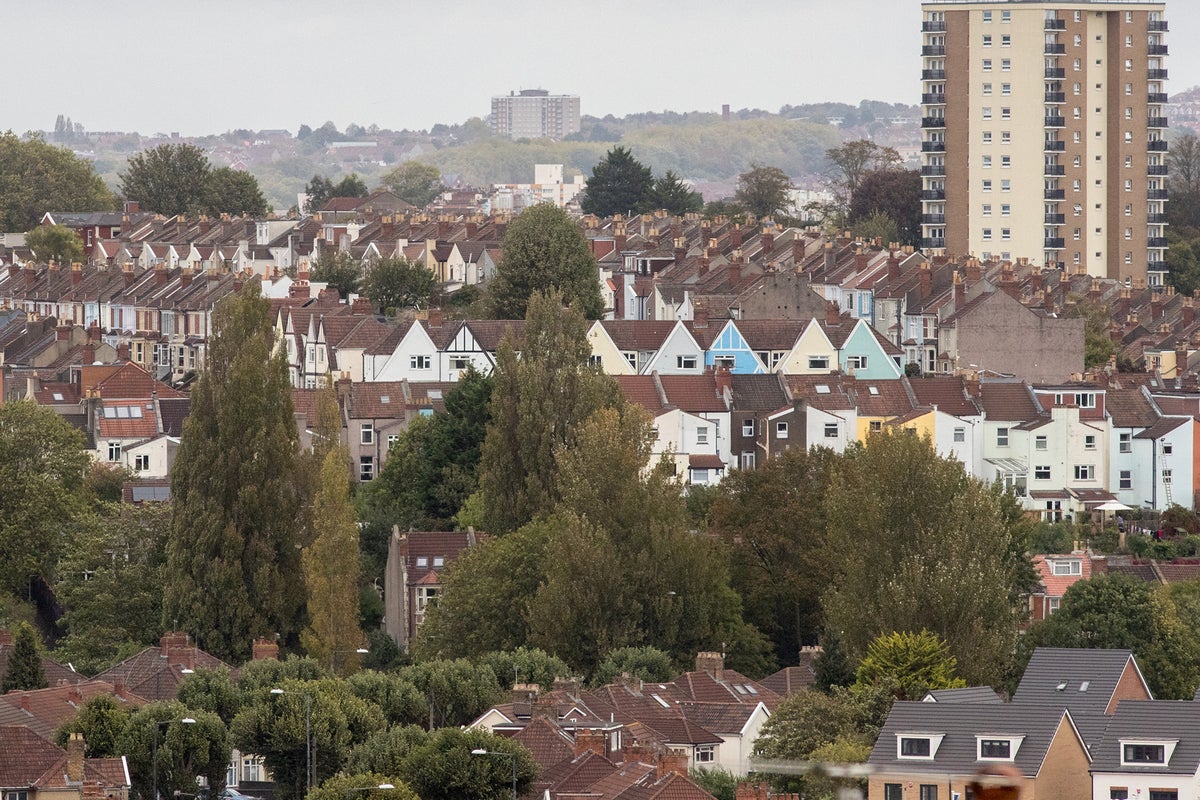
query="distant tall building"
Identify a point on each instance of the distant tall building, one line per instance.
(1044, 133)
(535, 114)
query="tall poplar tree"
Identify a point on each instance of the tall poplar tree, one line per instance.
(25, 664)
(233, 554)
(331, 568)
(537, 402)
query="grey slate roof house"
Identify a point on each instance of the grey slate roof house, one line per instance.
(1150, 750)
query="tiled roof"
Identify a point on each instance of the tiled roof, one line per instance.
(758, 393)
(824, 392)
(696, 394)
(1175, 572)
(141, 426)
(1057, 585)
(969, 694)
(960, 725)
(1143, 572)
(489, 332)
(642, 390)
(720, 718)
(45, 710)
(878, 398)
(420, 549)
(948, 393)
(127, 380)
(1129, 408)
(1007, 401)
(305, 401)
(671, 786)
(1161, 428)
(174, 411)
(546, 742)
(1156, 721)
(150, 675)
(578, 773)
(733, 687)
(430, 393)
(376, 400)
(1071, 668)
(771, 334)
(638, 335)
(53, 670)
(24, 756)
(790, 679)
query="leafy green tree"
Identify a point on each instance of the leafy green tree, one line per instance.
(267, 673)
(440, 765)
(102, 720)
(320, 189)
(414, 182)
(42, 463)
(394, 284)
(909, 664)
(647, 663)
(330, 567)
(25, 663)
(232, 556)
(764, 191)
(1183, 161)
(342, 786)
(1098, 345)
(169, 179)
(211, 690)
(483, 607)
(772, 520)
(853, 161)
(54, 243)
(718, 782)
(1115, 611)
(620, 184)
(110, 584)
(433, 467)
(402, 703)
(537, 400)
(232, 191)
(526, 665)
(36, 177)
(669, 192)
(274, 726)
(457, 690)
(946, 555)
(185, 749)
(338, 268)
(894, 194)
(545, 251)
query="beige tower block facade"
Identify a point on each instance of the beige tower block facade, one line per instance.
(1044, 134)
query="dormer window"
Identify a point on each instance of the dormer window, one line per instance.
(1068, 567)
(1134, 753)
(918, 746)
(997, 748)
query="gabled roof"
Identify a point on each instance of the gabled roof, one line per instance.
(1129, 408)
(1162, 427)
(642, 390)
(1154, 721)
(948, 393)
(45, 710)
(1008, 401)
(696, 394)
(721, 718)
(969, 694)
(671, 786)
(637, 335)
(1082, 680)
(547, 743)
(376, 400)
(959, 724)
(155, 673)
(24, 756)
(790, 679)
(758, 393)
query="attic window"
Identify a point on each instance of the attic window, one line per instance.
(383, 398)
(997, 748)
(1083, 687)
(439, 562)
(873, 390)
(435, 394)
(918, 746)
(1061, 687)
(660, 701)
(1143, 752)
(422, 561)
(1069, 567)
(821, 388)
(57, 396)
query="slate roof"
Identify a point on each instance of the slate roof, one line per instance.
(173, 411)
(1141, 571)
(758, 393)
(961, 723)
(1153, 720)
(969, 694)
(1088, 678)
(1129, 408)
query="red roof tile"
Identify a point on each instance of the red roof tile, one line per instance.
(696, 394)
(24, 756)
(642, 390)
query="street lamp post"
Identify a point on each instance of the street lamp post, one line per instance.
(162, 726)
(481, 752)
(362, 651)
(307, 738)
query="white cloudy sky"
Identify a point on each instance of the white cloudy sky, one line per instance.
(206, 66)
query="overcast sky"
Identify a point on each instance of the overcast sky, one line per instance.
(207, 66)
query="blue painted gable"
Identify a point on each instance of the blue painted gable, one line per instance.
(863, 354)
(729, 344)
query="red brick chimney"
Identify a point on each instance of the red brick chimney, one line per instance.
(833, 315)
(1035, 280)
(671, 761)
(752, 791)
(768, 240)
(700, 317)
(724, 379)
(590, 741)
(960, 292)
(435, 318)
(123, 351)
(472, 228)
(680, 250)
(798, 248)
(185, 277)
(893, 265)
(734, 274)
(75, 758)
(926, 277)
(703, 268)
(973, 273)
(712, 663)
(263, 649)
(30, 276)
(63, 332)
(735, 236)
(860, 260)
(1189, 312)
